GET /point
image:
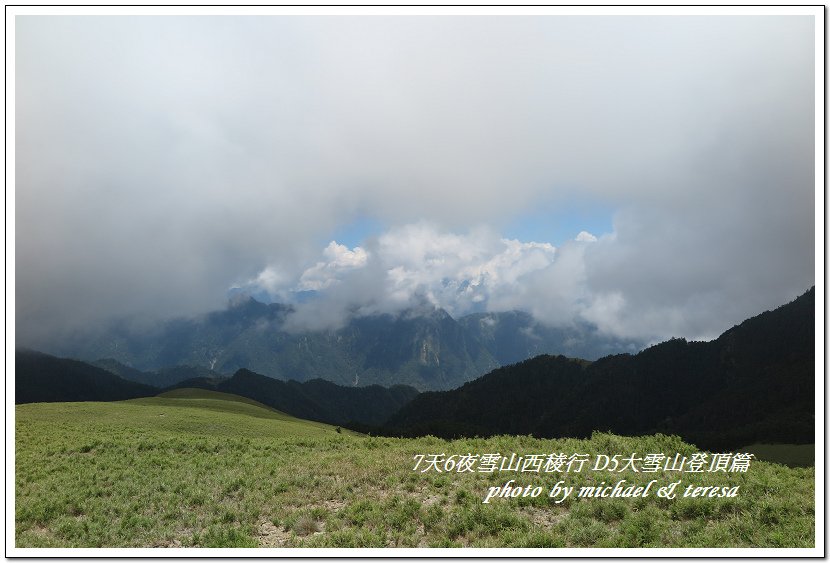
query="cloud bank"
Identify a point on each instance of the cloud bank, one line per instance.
(162, 160)
(409, 267)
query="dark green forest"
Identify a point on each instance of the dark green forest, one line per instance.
(756, 382)
(41, 378)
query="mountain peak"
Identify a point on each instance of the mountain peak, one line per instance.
(422, 346)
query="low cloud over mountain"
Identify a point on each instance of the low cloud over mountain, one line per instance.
(160, 161)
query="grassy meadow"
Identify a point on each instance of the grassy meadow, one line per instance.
(203, 469)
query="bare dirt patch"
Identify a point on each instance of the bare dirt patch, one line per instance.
(333, 505)
(541, 517)
(175, 542)
(270, 535)
(429, 500)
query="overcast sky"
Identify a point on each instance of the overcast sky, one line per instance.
(652, 175)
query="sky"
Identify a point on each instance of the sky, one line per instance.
(652, 175)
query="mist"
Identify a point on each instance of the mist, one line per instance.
(162, 161)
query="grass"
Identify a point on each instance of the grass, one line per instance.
(205, 469)
(194, 393)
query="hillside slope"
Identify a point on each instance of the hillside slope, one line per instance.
(207, 472)
(44, 378)
(754, 383)
(161, 378)
(314, 400)
(41, 378)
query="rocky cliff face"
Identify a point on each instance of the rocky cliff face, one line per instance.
(427, 349)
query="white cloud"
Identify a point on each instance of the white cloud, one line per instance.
(404, 266)
(271, 279)
(339, 259)
(161, 160)
(615, 282)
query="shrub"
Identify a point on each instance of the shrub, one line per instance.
(306, 526)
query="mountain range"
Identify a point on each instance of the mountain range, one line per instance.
(427, 349)
(365, 407)
(756, 382)
(41, 378)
